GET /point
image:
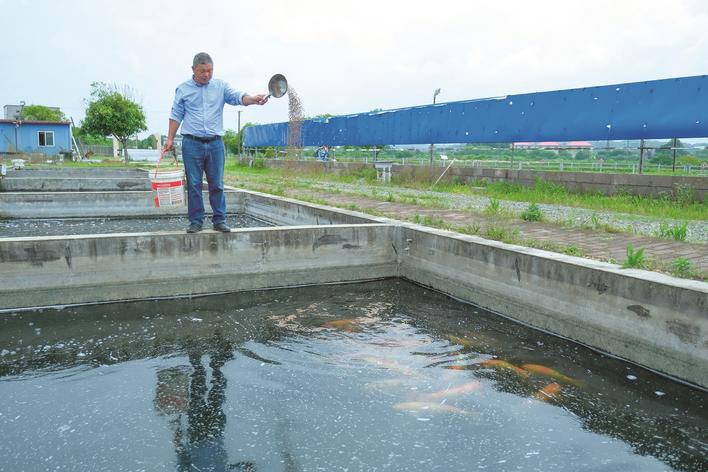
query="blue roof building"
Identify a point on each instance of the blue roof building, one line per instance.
(29, 137)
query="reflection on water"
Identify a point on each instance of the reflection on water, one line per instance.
(377, 376)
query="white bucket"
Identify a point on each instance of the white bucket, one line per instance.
(167, 187)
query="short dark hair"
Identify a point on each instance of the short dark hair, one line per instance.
(202, 58)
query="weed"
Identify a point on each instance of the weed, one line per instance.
(494, 207)
(684, 194)
(682, 267)
(595, 220)
(389, 197)
(473, 228)
(677, 232)
(635, 259)
(532, 213)
(573, 250)
(499, 233)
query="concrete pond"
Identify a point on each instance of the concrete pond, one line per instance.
(311, 338)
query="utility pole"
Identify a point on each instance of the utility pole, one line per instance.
(432, 145)
(240, 138)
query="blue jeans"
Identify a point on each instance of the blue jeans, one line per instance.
(200, 158)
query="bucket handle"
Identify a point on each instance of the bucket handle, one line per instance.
(162, 154)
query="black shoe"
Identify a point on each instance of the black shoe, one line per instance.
(194, 228)
(222, 228)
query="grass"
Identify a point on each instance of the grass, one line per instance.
(679, 207)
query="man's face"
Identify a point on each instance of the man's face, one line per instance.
(203, 73)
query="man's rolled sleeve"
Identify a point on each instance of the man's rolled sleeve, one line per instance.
(177, 113)
(233, 97)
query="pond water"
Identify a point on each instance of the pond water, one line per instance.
(22, 228)
(381, 376)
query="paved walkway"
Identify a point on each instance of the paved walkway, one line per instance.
(594, 244)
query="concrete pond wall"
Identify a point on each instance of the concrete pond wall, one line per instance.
(654, 320)
(78, 179)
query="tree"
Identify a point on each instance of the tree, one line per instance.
(233, 140)
(148, 143)
(84, 138)
(110, 112)
(41, 113)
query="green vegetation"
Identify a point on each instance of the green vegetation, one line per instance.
(532, 213)
(677, 232)
(493, 208)
(635, 258)
(110, 112)
(573, 250)
(679, 207)
(41, 113)
(682, 267)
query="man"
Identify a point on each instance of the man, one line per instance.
(199, 108)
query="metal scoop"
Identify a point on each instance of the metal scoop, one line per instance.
(277, 86)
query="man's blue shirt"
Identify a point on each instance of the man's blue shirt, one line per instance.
(200, 108)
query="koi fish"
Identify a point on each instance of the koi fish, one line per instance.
(500, 364)
(350, 326)
(430, 407)
(460, 341)
(548, 372)
(468, 387)
(549, 392)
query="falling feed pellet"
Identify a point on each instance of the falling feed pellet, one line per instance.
(295, 114)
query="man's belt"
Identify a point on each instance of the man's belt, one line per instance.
(205, 139)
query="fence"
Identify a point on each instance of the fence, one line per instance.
(368, 156)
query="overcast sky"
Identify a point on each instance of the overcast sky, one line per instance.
(341, 57)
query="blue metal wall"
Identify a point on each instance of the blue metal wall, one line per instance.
(655, 109)
(25, 137)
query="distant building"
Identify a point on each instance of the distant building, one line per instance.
(45, 137)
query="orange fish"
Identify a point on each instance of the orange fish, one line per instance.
(350, 326)
(460, 341)
(548, 372)
(500, 364)
(549, 392)
(459, 390)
